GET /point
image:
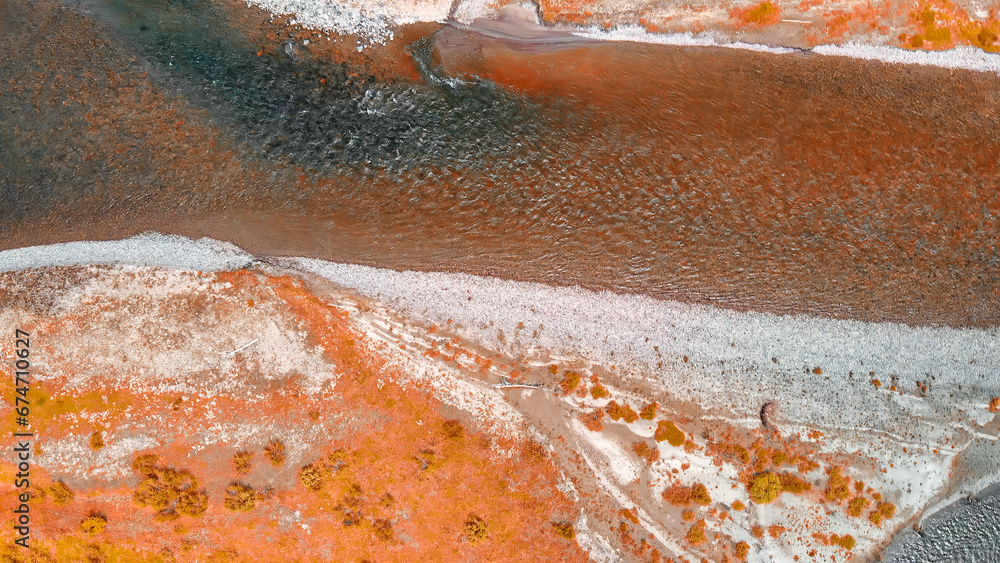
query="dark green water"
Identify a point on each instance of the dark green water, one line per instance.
(788, 184)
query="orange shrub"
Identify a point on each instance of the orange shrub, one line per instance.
(643, 450)
(648, 412)
(679, 495)
(765, 13)
(592, 420)
(599, 392)
(629, 514)
(742, 550)
(569, 382)
(275, 452)
(793, 484)
(845, 541)
(857, 506)
(696, 535)
(733, 453)
(839, 487)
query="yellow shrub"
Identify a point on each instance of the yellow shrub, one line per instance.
(838, 487)
(61, 494)
(242, 463)
(569, 382)
(765, 488)
(475, 528)
(275, 452)
(93, 525)
(240, 498)
(311, 477)
(666, 430)
(564, 530)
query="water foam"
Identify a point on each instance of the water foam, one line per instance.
(146, 250)
(963, 57)
(369, 21)
(374, 22)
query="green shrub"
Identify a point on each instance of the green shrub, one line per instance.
(144, 464)
(192, 503)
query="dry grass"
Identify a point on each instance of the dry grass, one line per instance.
(275, 453)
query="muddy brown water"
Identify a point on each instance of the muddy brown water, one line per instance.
(783, 183)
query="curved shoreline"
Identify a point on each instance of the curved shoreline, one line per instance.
(610, 328)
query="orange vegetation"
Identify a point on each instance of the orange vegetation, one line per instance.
(846, 541)
(569, 382)
(733, 453)
(696, 535)
(403, 472)
(994, 405)
(598, 391)
(679, 495)
(623, 412)
(629, 514)
(742, 550)
(592, 420)
(838, 488)
(764, 13)
(643, 450)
